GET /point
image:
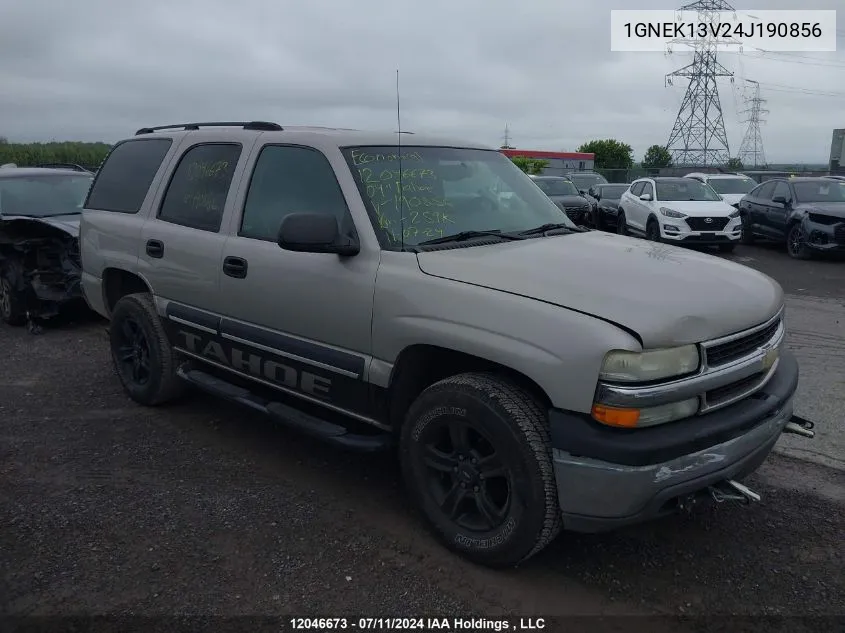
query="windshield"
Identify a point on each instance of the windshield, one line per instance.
(446, 191)
(585, 181)
(732, 185)
(42, 196)
(686, 189)
(557, 187)
(821, 191)
(612, 192)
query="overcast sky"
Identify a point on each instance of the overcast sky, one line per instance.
(100, 69)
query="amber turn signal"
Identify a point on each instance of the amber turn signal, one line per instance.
(623, 418)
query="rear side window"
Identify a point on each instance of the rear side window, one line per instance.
(290, 179)
(196, 195)
(126, 175)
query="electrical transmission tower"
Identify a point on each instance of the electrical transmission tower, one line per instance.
(507, 138)
(751, 150)
(698, 137)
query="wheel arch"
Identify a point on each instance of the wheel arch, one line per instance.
(419, 366)
(117, 283)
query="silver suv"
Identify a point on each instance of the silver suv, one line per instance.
(429, 295)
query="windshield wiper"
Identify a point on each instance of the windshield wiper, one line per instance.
(468, 235)
(549, 227)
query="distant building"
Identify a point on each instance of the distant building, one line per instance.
(560, 163)
(837, 152)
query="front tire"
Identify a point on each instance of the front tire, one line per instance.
(143, 358)
(747, 236)
(652, 231)
(12, 301)
(796, 243)
(621, 224)
(476, 457)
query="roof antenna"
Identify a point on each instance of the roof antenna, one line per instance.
(401, 192)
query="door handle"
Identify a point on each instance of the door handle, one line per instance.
(235, 267)
(155, 248)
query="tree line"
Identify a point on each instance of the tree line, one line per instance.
(614, 154)
(30, 154)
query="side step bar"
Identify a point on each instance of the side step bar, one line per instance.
(309, 424)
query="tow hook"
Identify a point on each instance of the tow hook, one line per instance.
(800, 426)
(730, 490)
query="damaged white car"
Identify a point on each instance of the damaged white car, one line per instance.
(39, 241)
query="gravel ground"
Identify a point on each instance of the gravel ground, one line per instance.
(205, 509)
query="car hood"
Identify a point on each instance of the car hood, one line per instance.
(834, 209)
(570, 201)
(66, 223)
(733, 198)
(665, 294)
(699, 208)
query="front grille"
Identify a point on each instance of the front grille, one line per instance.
(839, 234)
(701, 224)
(728, 392)
(576, 213)
(732, 350)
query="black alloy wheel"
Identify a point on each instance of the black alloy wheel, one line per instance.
(132, 354)
(466, 475)
(796, 243)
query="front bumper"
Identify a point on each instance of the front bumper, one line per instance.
(676, 230)
(608, 477)
(824, 237)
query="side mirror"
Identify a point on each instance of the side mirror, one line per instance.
(779, 200)
(646, 197)
(314, 233)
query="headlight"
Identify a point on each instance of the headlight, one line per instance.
(625, 366)
(671, 213)
(735, 214)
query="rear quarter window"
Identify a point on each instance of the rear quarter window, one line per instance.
(126, 174)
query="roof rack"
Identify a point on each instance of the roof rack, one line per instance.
(262, 126)
(72, 166)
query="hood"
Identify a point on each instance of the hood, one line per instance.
(699, 208)
(733, 198)
(834, 209)
(666, 294)
(570, 201)
(66, 223)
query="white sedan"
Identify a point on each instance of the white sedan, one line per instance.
(680, 211)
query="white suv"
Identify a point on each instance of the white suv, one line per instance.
(679, 210)
(732, 187)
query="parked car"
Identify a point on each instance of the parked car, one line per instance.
(39, 246)
(808, 214)
(680, 211)
(534, 375)
(565, 195)
(730, 186)
(607, 205)
(583, 180)
(835, 177)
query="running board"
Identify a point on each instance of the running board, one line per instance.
(287, 415)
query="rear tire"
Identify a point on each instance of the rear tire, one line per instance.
(477, 460)
(12, 300)
(143, 358)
